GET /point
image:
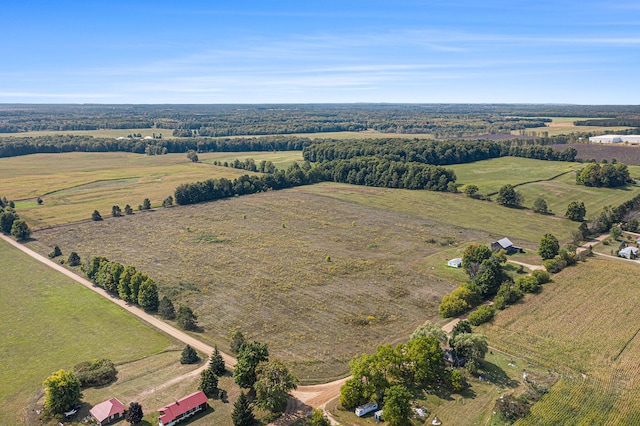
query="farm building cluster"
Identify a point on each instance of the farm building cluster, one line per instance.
(503, 244)
(113, 410)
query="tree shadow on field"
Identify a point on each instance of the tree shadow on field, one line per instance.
(498, 376)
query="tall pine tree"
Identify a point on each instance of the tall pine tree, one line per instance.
(242, 412)
(216, 364)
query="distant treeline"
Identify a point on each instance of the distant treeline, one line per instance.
(610, 122)
(433, 152)
(14, 146)
(361, 171)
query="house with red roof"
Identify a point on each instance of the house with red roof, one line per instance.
(108, 411)
(183, 408)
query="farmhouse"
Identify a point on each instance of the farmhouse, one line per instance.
(366, 408)
(182, 409)
(454, 360)
(629, 252)
(455, 263)
(506, 245)
(615, 139)
(108, 411)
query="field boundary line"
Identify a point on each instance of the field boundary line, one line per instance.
(615, 358)
(534, 181)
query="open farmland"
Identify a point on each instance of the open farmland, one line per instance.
(491, 175)
(585, 326)
(523, 227)
(72, 185)
(49, 322)
(564, 125)
(628, 154)
(281, 159)
(258, 263)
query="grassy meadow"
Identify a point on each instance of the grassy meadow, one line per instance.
(49, 322)
(281, 159)
(72, 185)
(258, 263)
(585, 326)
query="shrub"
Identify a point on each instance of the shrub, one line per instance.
(499, 303)
(481, 315)
(55, 253)
(541, 276)
(527, 285)
(96, 373)
(511, 408)
(458, 381)
(452, 306)
(554, 266)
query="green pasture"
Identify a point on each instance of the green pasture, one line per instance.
(583, 325)
(49, 322)
(281, 159)
(491, 175)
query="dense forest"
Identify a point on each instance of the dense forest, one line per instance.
(440, 120)
(433, 152)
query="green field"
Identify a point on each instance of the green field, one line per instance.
(490, 175)
(72, 185)
(281, 159)
(585, 326)
(50, 322)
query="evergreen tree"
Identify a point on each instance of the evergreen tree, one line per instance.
(20, 230)
(209, 383)
(186, 319)
(128, 209)
(134, 414)
(166, 309)
(96, 216)
(242, 412)
(189, 356)
(216, 364)
(74, 259)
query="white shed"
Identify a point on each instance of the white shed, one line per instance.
(455, 263)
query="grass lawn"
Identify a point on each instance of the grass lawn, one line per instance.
(584, 325)
(49, 323)
(73, 185)
(491, 175)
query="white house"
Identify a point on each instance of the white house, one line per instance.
(629, 252)
(366, 408)
(455, 263)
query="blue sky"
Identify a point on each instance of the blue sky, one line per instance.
(458, 51)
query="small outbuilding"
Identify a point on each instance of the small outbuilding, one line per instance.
(506, 245)
(108, 411)
(455, 263)
(629, 252)
(366, 408)
(378, 415)
(182, 409)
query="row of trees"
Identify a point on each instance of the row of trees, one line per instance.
(249, 164)
(361, 171)
(17, 145)
(125, 282)
(431, 151)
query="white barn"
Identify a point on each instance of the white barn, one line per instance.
(615, 139)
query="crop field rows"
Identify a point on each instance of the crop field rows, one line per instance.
(584, 326)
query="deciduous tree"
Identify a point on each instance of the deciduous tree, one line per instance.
(397, 408)
(62, 392)
(251, 354)
(148, 296)
(20, 230)
(549, 247)
(273, 383)
(576, 211)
